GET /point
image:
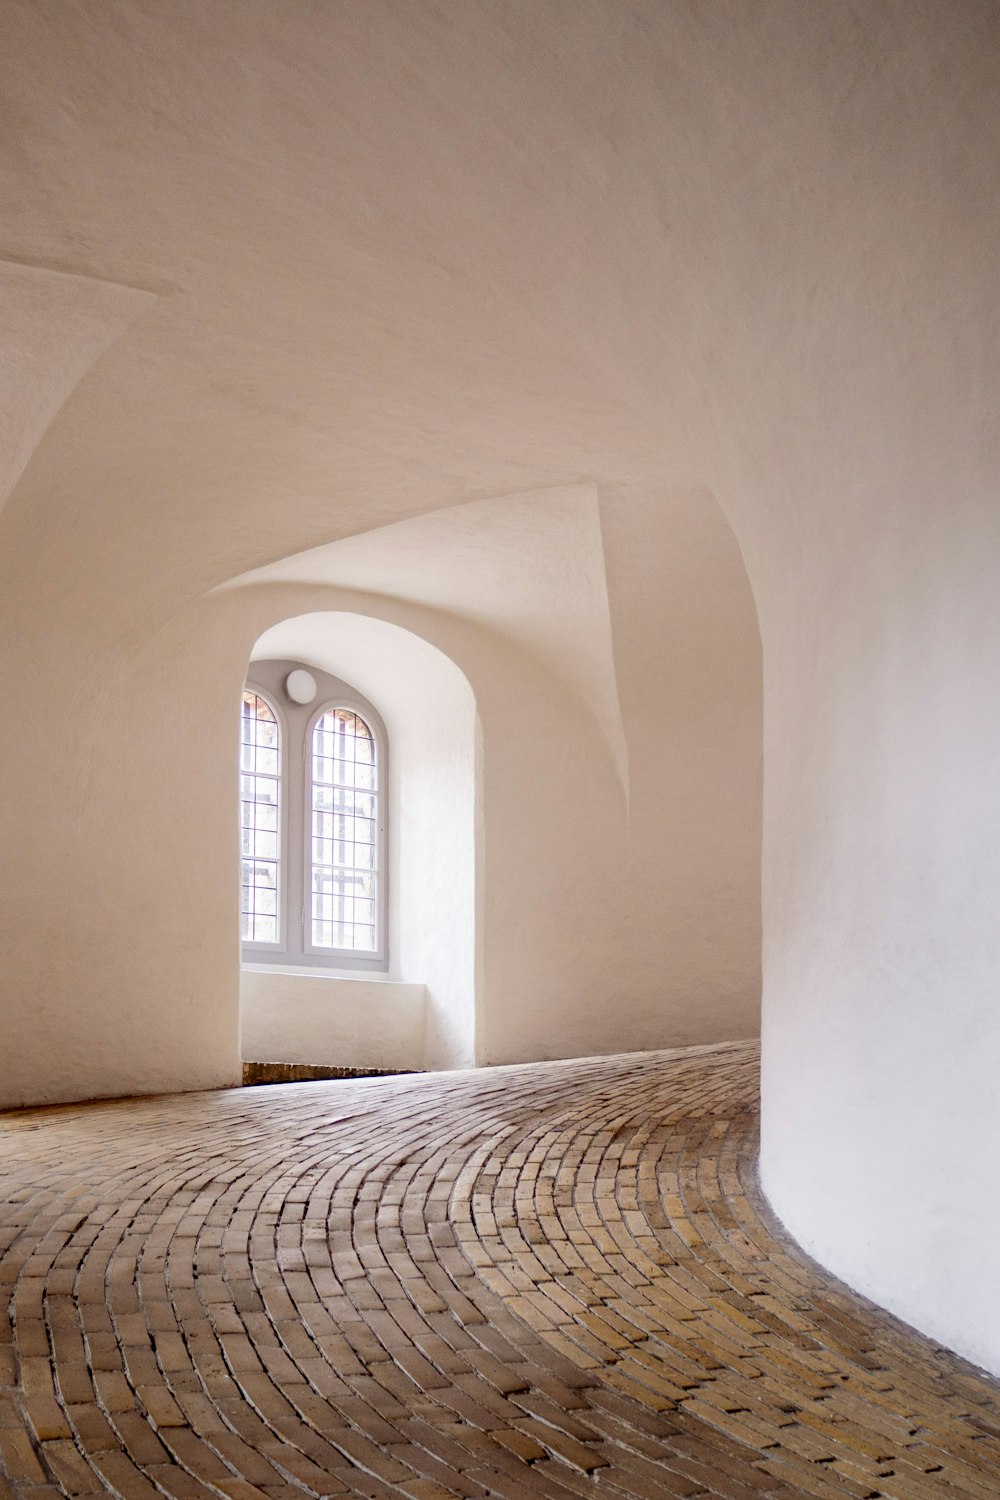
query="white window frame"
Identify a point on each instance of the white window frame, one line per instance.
(295, 726)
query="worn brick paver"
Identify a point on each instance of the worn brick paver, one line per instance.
(553, 1280)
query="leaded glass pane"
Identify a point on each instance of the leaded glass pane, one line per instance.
(344, 813)
(260, 795)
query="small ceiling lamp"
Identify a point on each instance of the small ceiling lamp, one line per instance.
(300, 686)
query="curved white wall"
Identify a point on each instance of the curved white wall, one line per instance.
(859, 460)
(881, 1122)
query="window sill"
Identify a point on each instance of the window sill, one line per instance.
(324, 971)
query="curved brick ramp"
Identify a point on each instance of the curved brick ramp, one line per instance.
(543, 1281)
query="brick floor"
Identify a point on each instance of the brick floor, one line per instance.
(556, 1280)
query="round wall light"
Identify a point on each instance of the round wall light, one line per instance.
(300, 686)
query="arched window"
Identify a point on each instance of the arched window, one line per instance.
(312, 790)
(344, 819)
(260, 814)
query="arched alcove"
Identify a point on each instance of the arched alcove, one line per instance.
(619, 886)
(418, 1009)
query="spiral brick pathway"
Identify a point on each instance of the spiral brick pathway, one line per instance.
(554, 1281)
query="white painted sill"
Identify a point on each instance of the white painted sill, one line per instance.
(359, 976)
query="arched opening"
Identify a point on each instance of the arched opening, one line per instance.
(314, 831)
(612, 647)
(372, 965)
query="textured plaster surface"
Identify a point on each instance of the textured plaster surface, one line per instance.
(53, 327)
(529, 568)
(313, 1018)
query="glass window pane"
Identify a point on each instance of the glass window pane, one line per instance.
(260, 795)
(344, 812)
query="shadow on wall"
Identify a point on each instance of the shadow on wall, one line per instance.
(419, 1011)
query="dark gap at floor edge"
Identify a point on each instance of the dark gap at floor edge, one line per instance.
(255, 1073)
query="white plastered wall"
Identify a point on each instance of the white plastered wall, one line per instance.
(858, 456)
(881, 856)
(362, 1022)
